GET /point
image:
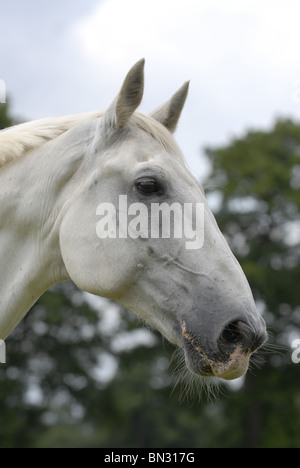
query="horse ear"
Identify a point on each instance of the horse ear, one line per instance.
(168, 114)
(130, 96)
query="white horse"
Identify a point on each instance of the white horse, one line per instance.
(54, 175)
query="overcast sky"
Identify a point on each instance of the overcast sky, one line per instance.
(242, 57)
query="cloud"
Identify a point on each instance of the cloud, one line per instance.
(241, 58)
(117, 31)
(234, 52)
(192, 33)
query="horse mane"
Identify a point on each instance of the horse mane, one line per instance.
(17, 140)
(158, 131)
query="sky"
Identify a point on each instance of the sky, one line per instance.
(242, 57)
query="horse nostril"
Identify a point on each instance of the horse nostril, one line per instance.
(232, 334)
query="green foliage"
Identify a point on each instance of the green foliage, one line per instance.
(259, 178)
(69, 381)
(258, 183)
(53, 392)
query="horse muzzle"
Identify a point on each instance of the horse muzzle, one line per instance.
(225, 355)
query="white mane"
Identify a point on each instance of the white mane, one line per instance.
(15, 141)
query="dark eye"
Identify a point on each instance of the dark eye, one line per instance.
(148, 186)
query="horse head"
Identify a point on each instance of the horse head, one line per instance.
(139, 231)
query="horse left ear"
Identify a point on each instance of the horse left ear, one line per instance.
(128, 99)
(130, 96)
(168, 114)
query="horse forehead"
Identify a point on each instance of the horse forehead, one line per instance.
(136, 154)
(173, 166)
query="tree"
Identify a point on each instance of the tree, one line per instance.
(257, 180)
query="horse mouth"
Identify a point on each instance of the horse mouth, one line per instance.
(228, 366)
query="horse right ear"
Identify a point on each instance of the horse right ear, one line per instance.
(129, 98)
(168, 114)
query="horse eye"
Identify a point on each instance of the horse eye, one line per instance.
(148, 186)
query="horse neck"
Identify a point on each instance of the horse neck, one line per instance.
(33, 192)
